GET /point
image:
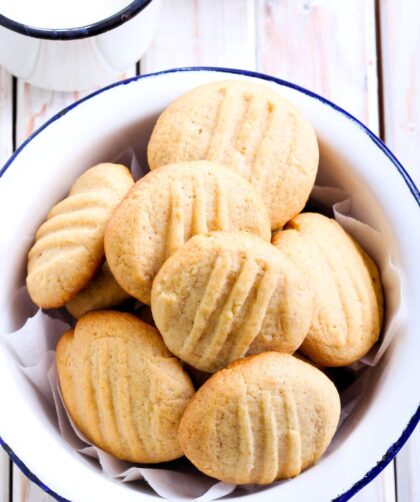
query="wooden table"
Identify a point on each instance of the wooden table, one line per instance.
(362, 54)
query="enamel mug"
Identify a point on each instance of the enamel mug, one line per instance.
(75, 58)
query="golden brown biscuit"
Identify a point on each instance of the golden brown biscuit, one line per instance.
(102, 292)
(224, 295)
(263, 418)
(123, 389)
(69, 246)
(167, 207)
(348, 304)
(249, 127)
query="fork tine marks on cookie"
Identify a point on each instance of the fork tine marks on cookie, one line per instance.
(222, 207)
(90, 418)
(218, 138)
(63, 228)
(255, 157)
(123, 402)
(246, 460)
(99, 199)
(66, 223)
(76, 222)
(103, 395)
(176, 229)
(252, 133)
(151, 401)
(293, 466)
(213, 292)
(269, 461)
(227, 124)
(199, 207)
(239, 292)
(250, 329)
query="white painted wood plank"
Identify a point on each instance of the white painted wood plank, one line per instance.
(381, 489)
(4, 476)
(6, 148)
(328, 46)
(203, 32)
(400, 43)
(26, 491)
(408, 470)
(6, 115)
(400, 40)
(35, 106)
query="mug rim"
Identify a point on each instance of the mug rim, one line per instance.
(414, 420)
(79, 32)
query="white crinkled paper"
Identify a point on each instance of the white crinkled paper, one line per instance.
(33, 346)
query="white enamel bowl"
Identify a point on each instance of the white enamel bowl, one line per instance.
(102, 125)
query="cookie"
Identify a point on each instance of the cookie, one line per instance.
(69, 246)
(122, 387)
(102, 292)
(224, 295)
(346, 286)
(246, 126)
(264, 418)
(168, 206)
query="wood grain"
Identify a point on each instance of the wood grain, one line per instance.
(203, 32)
(381, 489)
(400, 53)
(408, 470)
(324, 45)
(26, 491)
(400, 41)
(35, 106)
(4, 476)
(6, 115)
(6, 149)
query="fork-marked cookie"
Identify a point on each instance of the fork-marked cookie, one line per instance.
(263, 418)
(346, 287)
(69, 246)
(249, 127)
(224, 295)
(122, 387)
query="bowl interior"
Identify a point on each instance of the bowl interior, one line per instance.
(97, 130)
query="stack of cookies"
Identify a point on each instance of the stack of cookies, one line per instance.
(238, 279)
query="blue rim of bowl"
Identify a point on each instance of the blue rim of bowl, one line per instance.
(414, 420)
(89, 30)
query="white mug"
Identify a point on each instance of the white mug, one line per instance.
(70, 59)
